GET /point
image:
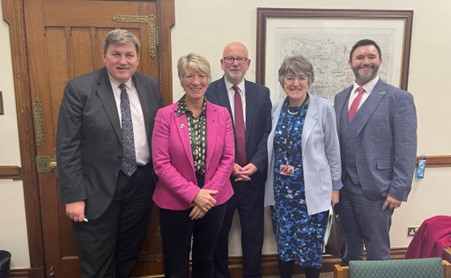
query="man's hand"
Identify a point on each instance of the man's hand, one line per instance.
(243, 173)
(76, 211)
(391, 202)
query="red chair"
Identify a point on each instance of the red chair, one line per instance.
(433, 236)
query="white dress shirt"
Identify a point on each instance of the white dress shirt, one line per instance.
(231, 93)
(368, 87)
(139, 128)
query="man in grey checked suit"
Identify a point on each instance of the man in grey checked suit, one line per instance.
(378, 153)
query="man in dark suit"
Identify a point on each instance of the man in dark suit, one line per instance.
(104, 161)
(249, 170)
(377, 130)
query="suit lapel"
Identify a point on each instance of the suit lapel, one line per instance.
(211, 132)
(250, 107)
(182, 127)
(105, 93)
(310, 121)
(223, 95)
(340, 103)
(369, 106)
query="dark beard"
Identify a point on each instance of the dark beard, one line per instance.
(363, 79)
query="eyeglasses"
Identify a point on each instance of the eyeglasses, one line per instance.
(239, 60)
(291, 78)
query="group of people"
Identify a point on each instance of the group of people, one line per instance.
(223, 147)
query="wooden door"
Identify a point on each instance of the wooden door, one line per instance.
(64, 40)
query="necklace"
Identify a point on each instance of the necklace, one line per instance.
(291, 112)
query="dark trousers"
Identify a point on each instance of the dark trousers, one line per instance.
(109, 246)
(364, 223)
(179, 233)
(248, 201)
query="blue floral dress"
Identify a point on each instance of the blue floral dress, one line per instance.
(299, 236)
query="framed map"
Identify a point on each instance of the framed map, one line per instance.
(326, 37)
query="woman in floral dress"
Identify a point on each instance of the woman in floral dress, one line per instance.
(304, 172)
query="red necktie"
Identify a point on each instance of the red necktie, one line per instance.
(240, 132)
(355, 104)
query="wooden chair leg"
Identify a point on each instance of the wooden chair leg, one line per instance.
(342, 271)
(446, 268)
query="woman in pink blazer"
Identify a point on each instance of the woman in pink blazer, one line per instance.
(193, 155)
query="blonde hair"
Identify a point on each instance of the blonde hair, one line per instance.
(194, 62)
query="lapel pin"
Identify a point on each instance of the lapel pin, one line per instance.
(382, 93)
(182, 125)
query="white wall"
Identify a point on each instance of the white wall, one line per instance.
(13, 226)
(204, 27)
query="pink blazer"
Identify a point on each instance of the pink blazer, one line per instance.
(173, 160)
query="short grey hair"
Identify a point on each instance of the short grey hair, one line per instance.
(297, 65)
(118, 37)
(194, 62)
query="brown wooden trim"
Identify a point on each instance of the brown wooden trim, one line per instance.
(265, 13)
(270, 266)
(447, 254)
(10, 172)
(167, 21)
(437, 160)
(26, 273)
(22, 273)
(13, 14)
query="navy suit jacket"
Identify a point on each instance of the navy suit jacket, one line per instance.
(385, 142)
(89, 144)
(258, 120)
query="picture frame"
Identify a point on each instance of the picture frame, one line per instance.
(2, 109)
(325, 37)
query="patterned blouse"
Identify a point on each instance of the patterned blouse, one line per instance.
(197, 132)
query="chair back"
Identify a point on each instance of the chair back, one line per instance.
(407, 268)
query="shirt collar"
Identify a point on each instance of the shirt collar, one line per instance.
(240, 86)
(115, 83)
(183, 109)
(369, 86)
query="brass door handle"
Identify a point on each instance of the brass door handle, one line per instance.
(46, 164)
(52, 165)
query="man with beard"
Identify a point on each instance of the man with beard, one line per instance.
(377, 130)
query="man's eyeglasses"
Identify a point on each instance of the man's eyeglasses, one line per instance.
(231, 59)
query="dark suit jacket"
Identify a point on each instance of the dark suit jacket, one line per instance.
(258, 120)
(385, 142)
(89, 144)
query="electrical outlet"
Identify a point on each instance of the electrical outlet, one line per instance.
(411, 231)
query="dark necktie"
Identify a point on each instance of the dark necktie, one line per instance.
(128, 141)
(240, 131)
(355, 104)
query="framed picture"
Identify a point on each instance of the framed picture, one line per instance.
(326, 37)
(2, 112)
